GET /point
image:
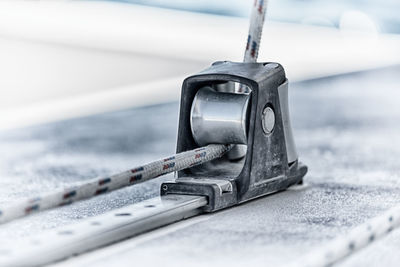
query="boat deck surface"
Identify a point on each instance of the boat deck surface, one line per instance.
(346, 130)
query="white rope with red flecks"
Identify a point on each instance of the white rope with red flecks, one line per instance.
(356, 239)
(327, 255)
(360, 236)
(107, 184)
(257, 18)
(255, 30)
(146, 172)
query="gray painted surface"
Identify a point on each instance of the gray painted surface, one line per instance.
(346, 130)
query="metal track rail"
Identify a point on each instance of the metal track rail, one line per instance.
(99, 231)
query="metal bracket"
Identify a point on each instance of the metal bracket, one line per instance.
(271, 162)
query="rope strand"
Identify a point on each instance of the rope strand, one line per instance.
(358, 238)
(97, 186)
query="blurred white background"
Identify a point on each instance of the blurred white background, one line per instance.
(62, 59)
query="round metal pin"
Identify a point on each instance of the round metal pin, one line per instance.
(268, 120)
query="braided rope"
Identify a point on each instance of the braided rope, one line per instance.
(99, 186)
(146, 172)
(256, 26)
(360, 236)
(332, 252)
(257, 18)
(356, 239)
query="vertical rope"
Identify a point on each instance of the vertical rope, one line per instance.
(257, 18)
(146, 172)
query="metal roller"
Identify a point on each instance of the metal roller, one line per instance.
(219, 118)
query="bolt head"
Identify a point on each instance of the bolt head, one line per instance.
(268, 120)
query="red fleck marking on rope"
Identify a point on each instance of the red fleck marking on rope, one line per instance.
(101, 191)
(69, 194)
(168, 166)
(135, 178)
(31, 208)
(105, 181)
(260, 7)
(253, 49)
(137, 170)
(168, 159)
(201, 155)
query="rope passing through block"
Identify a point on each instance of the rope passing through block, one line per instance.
(97, 186)
(146, 172)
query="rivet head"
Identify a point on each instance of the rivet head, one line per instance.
(268, 120)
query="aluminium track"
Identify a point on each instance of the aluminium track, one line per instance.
(99, 231)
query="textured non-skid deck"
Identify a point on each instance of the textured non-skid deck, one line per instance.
(346, 130)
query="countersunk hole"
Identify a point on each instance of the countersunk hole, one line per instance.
(123, 214)
(271, 65)
(66, 232)
(95, 223)
(149, 206)
(371, 238)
